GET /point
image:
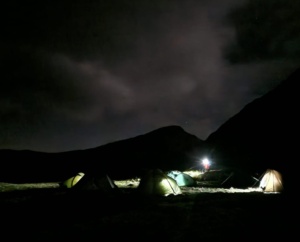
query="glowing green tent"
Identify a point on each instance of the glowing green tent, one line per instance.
(181, 178)
(72, 181)
(155, 182)
(99, 182)
(83, 181)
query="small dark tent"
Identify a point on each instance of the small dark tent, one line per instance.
(100, 182)
(238, 178)
(155, 182)
(271, 181)
(182, 178)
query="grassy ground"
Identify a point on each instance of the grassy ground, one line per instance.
(45, 212)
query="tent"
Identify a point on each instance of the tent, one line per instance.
(70, 182)
(239, 178)
(90, 182)
(182, 178)
(155, 182)
(271, 181)
(100, 182)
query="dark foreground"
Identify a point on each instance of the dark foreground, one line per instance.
(59, 215)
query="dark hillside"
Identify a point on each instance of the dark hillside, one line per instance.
(264, 134)
(165, 148)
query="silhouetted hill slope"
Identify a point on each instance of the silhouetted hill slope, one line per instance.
(165, 148)
(264, 134)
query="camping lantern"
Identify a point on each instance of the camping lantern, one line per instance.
(206, 164)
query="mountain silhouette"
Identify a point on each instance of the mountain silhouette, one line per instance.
(263, 134)
(166, 148)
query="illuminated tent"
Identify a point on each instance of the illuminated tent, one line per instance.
(182, 178)
(90, 182)
(271, 181)
(72, 180)
(155, 182)
(99, 182)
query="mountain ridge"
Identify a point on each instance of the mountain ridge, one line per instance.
(262, 135)
(166, 148)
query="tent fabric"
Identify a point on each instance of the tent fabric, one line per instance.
(90, 182)
(100, 182)
(271, 181)
(155, 182)
(72, 181)
(182, 178)
(238, 178)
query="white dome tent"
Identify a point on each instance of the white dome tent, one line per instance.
(271, 181)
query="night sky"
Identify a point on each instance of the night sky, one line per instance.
(79, 74)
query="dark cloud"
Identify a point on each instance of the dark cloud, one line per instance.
(265, 30)
(79, 74)
(80, 29)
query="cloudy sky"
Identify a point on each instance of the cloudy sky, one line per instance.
(82, 73)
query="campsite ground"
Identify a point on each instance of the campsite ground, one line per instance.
(206, 212)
